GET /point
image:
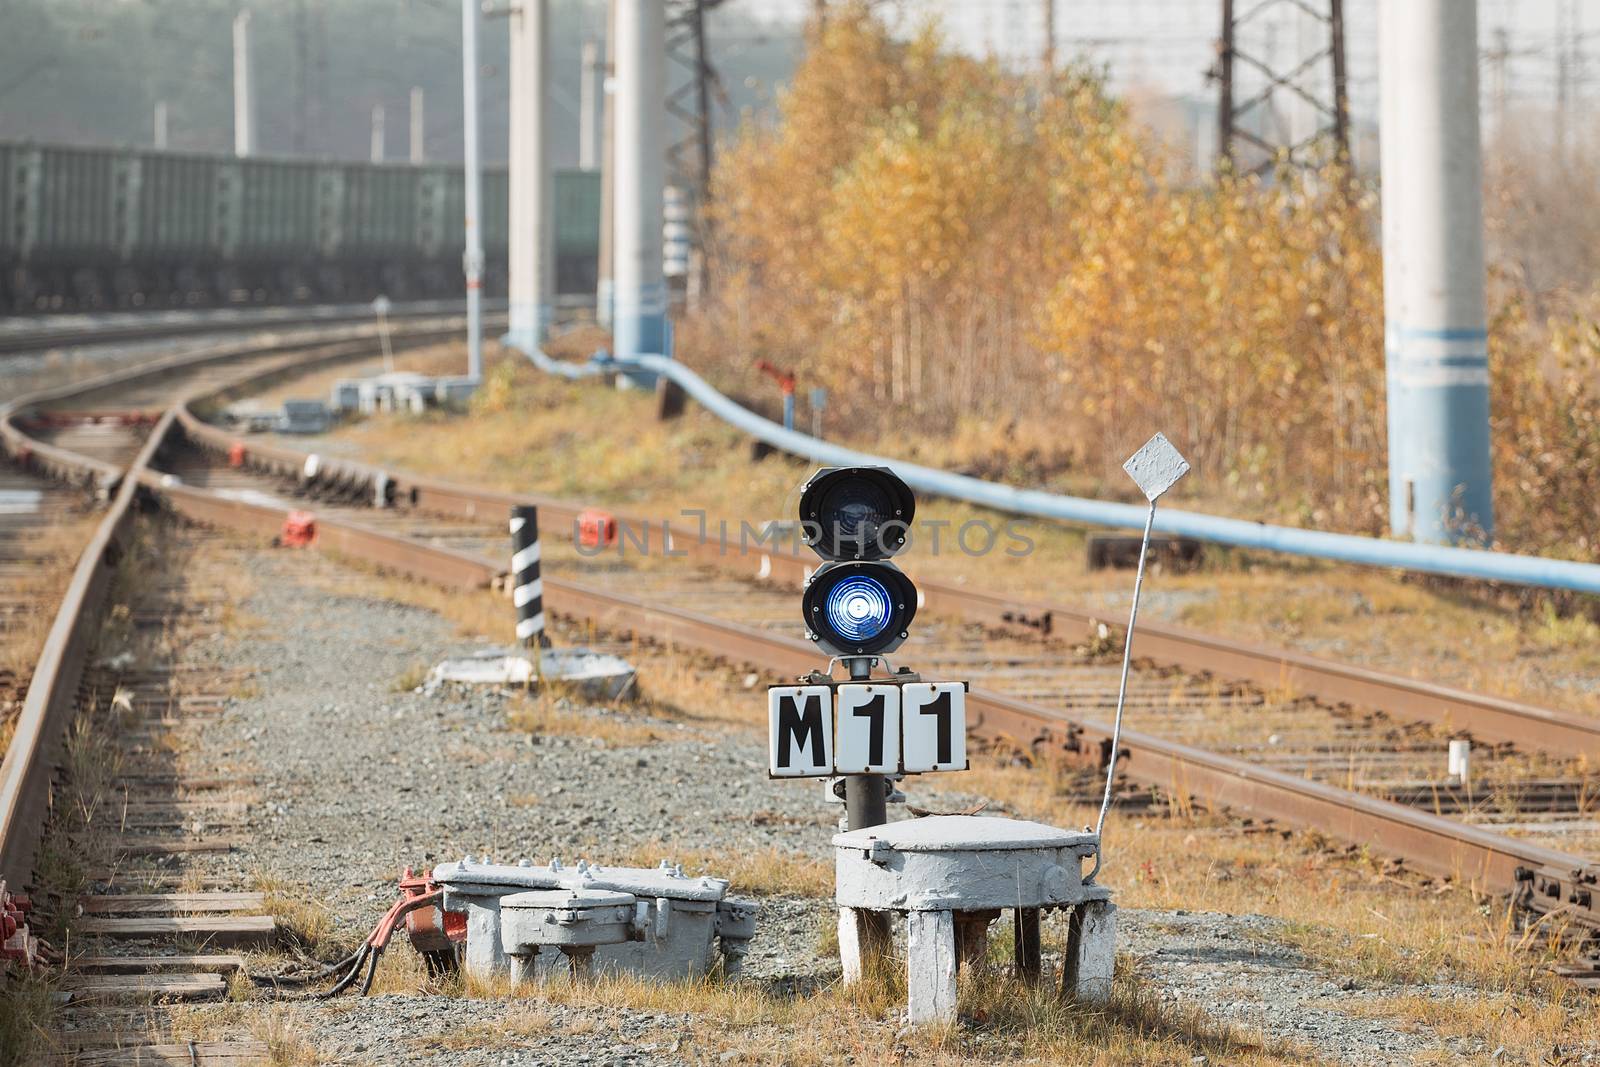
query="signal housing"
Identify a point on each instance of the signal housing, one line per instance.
(857, 603)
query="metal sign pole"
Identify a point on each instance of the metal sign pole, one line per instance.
(1155, 468)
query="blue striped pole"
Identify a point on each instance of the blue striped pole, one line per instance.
(1435, 345)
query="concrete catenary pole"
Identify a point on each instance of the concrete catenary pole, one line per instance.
(161, 124)
(1435, 342)
(590, 93)
(531, 209)
(640, 312)
(244, 88)
(417, 141)
(605, 289)
(377, 147)
(472, 259)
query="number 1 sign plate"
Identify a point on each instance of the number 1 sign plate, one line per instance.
(817, 731)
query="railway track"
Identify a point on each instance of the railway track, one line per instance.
(1388, 729)
(1350, 752)
(24, 334)
(1029, 694)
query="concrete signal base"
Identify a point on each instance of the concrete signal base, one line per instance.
(951, 876)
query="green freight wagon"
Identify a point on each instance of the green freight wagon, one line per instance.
(86, 228)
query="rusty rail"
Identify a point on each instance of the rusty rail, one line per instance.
(123, 327)
(1549, 880)
(1485, 718)
(1485, 860)
(30, 761)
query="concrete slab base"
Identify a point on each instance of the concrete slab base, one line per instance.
(595, 675)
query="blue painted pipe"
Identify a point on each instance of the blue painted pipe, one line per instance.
(1344, 548)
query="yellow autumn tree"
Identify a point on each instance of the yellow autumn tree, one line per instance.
(932, 237)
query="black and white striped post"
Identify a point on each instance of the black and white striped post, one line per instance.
(527, 590)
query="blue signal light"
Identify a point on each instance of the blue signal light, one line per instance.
(859, 608)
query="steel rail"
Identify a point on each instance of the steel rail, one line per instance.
(1548, 880)
(1487, 861)
(31, 759)
(126, 327)
(30, 762)
(69, 466)
(1483, 717)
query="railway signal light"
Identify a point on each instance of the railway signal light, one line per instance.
(857, 603)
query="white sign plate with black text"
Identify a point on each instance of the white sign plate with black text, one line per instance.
(817, 731)
(800, 731)
(935, 726)
(868, 717)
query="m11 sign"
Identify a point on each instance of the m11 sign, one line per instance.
(876, 727)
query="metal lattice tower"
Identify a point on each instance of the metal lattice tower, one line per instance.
(692, 81)
(1251, 133)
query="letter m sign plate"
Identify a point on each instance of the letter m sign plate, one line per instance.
(800, 731)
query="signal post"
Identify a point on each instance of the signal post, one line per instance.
(862, 732)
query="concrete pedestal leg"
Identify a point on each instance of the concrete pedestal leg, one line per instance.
(485, 957)
(863, 940)
(931, 966)
(1025, 931)
(524, 968)
(581, 959)
(1091, 952)
(972, 938)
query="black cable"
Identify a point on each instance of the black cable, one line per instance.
(355, 972)
(305, 979)
(372, 971)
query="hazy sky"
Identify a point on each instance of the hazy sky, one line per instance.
(1169, 44)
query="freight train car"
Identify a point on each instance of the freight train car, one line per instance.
(87, 228)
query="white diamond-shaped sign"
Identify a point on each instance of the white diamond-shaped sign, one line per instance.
(1156, 467)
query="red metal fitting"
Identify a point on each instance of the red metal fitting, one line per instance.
(434, 932)
(299, 530)
(596, 528)
(236, 454)
(16, 942)
(784, 378)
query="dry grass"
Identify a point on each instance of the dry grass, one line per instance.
(302, 917)
(279, 1026)
(1563, 1029)
(513, 1029)
(543, 438)
(27, 1010)
(53, 554)
(547, 713)
(1008, 1021)
(1350, 912)
(410, 678)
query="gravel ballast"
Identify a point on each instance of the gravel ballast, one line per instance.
(357, 779)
